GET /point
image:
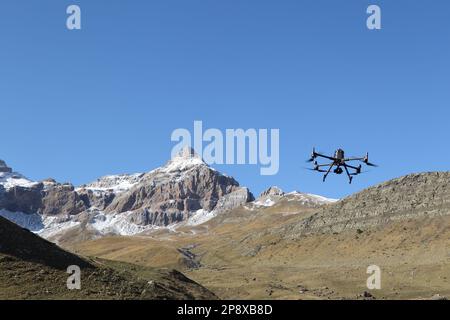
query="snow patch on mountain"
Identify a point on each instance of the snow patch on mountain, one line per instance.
(54, 226)
(308, 198)
(114, 183)
(32, 222)
(199, 217)
(43, 226)
(265, 202)
(185, 160)
(13, 179)
(117, 223)
(273, 195)
(181, 163)
(50, 226)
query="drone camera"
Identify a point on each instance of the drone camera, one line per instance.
(338, 170)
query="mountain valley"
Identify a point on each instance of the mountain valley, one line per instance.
(189, 217)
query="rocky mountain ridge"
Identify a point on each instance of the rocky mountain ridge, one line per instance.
(408, 197)
(124, 204)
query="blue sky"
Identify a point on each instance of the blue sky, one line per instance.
(76, 105)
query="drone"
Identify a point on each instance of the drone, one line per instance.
(339, 161)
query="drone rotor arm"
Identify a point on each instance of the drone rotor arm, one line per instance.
(364, 160)
(352, 167)
(319, 170)
(324, 165)
(324, 156)
(354, 159)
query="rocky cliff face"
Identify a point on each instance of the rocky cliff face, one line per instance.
(21, 199)
(233, 200)
(409, 197)
(272, 191)
(61, 199)
(175, 191)
(19, 194)
(100, 193)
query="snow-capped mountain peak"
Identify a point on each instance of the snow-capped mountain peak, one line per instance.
(10, 179)
(274, 195)
(184, 160)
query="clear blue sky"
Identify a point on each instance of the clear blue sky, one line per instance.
(76, 105)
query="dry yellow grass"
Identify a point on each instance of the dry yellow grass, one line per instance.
(241, 261)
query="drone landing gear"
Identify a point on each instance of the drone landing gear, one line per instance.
(328, 171)
(350, 177)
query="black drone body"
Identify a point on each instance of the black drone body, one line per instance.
(340, 164)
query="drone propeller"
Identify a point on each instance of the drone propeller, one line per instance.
(371, 164)
(358, 173)
(313, 155)
(366, 161)
(318, 170)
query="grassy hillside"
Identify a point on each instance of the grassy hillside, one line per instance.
(33, 268)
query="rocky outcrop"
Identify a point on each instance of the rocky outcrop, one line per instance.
(56, 200)
(21, 199)
(409, 197)
(233, 200)
(94, 199)
(101, 193)
(19, 194)
(272, 191)
(4, 167)
(61, 199)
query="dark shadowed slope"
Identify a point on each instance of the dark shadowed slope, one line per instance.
(33, 268)
(25, 245)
